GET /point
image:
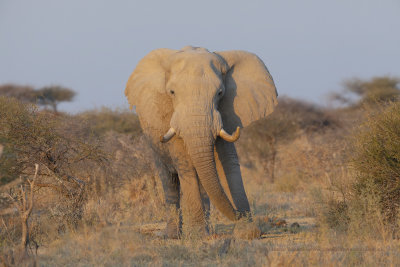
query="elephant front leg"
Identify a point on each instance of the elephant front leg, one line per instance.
(231, 179)
(194, 221)
(228, 168)
(191, 204)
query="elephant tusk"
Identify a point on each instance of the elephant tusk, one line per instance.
(171, 132)
(230, 138)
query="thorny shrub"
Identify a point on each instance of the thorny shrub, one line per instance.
(370, 200)
(89, 173)
(29, 137)
(377, 161)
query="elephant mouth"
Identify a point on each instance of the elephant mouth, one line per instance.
(222, 133)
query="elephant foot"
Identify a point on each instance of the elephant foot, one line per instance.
(246, 230)
(172, 230)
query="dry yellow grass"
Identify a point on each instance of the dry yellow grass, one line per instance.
(133, 238)
(113, 246)
(123, 216)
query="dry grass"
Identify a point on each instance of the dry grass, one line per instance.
(123, 215)
(114, 246)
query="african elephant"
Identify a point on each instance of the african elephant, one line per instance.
(188, 101)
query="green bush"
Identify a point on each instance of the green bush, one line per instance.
(367, 202)
(377, 161)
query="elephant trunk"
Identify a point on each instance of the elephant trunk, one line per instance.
(199, 138)
(201, 151)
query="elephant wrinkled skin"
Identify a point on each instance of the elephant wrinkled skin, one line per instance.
(191, 104)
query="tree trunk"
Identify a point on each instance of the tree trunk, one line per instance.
(25, 232)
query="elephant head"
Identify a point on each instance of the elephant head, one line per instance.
(201, 96)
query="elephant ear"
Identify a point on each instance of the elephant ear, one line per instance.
(145, 89)
(250, 90)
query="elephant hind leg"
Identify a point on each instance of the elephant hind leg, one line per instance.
(171, 188)
(172, 201)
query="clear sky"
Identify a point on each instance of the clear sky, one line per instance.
(92, 46)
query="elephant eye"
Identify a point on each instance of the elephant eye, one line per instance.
(220, 93)
(172, 92)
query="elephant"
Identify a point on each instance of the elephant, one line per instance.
(188, 101)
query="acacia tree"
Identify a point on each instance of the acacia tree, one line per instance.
(45, 96)
(53, 95)
(375, 90)
(23, 93)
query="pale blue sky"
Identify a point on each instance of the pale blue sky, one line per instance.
(92, 46)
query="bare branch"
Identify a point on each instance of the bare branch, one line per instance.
(32, 185)
(11, 197)
(53, 174)
(25, 209)
(22, 198)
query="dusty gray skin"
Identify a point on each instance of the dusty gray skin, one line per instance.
(191, 104)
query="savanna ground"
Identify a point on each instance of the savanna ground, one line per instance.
(96, 201)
